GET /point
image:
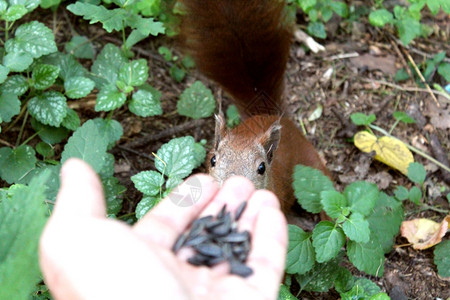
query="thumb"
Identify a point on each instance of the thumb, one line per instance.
(80, 193)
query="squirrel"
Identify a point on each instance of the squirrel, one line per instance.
(243, 45)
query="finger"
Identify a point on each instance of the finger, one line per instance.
(173, 214)
(268, 254)
(80, 193)
(235, 190)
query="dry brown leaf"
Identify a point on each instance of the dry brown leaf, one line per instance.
(424, 233)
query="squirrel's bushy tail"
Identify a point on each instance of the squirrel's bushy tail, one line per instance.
(243, 45)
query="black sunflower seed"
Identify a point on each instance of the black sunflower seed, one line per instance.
(198, 260)
(197, 240)
(179, 242)
(209, 249)
(240, 210)
(224, 228)
(212, 261)
(210, 225)
(236, 237)
(240, 269)
(222, 212)
(196, 229)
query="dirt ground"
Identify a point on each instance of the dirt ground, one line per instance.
(363, 61)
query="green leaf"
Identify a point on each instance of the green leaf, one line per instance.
(196, 102)
(415, 194)
(188, 62)
(68, 65)
(133, 38)
(71, 121)
(3, 73)
(113, 189)
(380, 296)
(361, 196)
(416, 173)
(16, 163)
(9, 106)
(317, 29)
(23, 218)
(442, 259)
(328, 240)
(340, 8)
(50, 108)
(146, 102)
(109, 129)
(401, 193)
(344, 281)
(145, 26)
(87, 144)
(285, 294)
(321, 277)
(381, 17)
(49, 134)
(15, 84)
(333, 203)
(199, 154)
(401, 75)
(44, 76)
(177, 157)
(444, 71)
(361, 119)
(45, 149)
(368, 257)
(308, 184)
(29, 4)
(370, 288)
(17, 61)
(108, 166)
(111, 19)
(177, 73)
(109, 98)
(408, 29)
(233, 117)
(33, 38)
(300, 255)
(356, 228)
(134, 73)
(50, 3)
(3, 6)
(149, 7)
(14, 13)
(145, 205)
(327, 13)
(306, 5)
(78, 87)
(403, 117)
(80, 46)
(148, 182)
(107, 65)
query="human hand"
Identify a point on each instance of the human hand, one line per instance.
(84, 255)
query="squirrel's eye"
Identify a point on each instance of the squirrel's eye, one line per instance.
(213, 161)
(261, 168)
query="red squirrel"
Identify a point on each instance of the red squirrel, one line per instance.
(243, 45)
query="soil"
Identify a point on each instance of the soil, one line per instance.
(361, 83)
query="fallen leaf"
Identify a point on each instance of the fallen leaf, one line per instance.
(384, 63)
(388, 150)
(424, 233)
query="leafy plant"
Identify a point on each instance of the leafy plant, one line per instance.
(178, 67)
(197, 101)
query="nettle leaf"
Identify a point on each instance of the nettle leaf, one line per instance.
(370, 288)
(367, 257)
(23, 217)
(109, 98)
(333, 203)
(146, 204)
(285, 294)
(442, 259)
(199, 154)
(328, 240)
(9, 106)
(16, 163)
(317, 29)
(33, 38)
(176, 73)
(403, 117)
(71, 121)
(80, 46)
(196, 102)
(356, 228)
(29, 4)
(87, 144)
(300, 255)
(401, 193)
(308, 184)
(148, 182)
(78, 87)
(146, 102)
(321, 277)
(14, 13)
(145, 26)
(361, 119)
(340, 8)
(15, 84)
(68, 65)
(49, 134)
(108, 166)
(107, 65)
(3, 73)
(361, 196)
(45, 149)
(415, 194)
(416, 173)
(380, 17)
(133, 38)
(111, 19)
(113, 189)
(444, 71)
(111, 130)
(3, 6)
(177, 157)
(408, 29)
(344, 281)
(44, 76)
(50, 108)
(50, 3)
(17, 61)
(134, 73)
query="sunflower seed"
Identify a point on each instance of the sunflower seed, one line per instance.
(209, 249)
(224, 228)
(236, 237)
(212, 261)
(196, 229)
(240, 210)
(240, 269)
(196, 240)
(210, 225)
(179, 243)
(198, 259)
(222, 211)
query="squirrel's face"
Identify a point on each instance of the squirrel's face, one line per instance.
(247, 151)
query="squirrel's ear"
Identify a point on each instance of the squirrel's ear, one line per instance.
(271, 139)
(220, 129)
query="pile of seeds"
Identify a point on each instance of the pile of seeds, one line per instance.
(216, 239)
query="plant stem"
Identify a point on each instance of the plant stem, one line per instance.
(440, 210)
(30, 138)
(414, 149)
(25, 118)
(393, 126)
(126, 215)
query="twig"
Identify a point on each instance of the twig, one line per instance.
(6, 143)
(342, 56)
(135, 152)
(406, 89)
(399, 54)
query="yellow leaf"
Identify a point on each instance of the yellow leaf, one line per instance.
(388, 150)
(424, 233)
